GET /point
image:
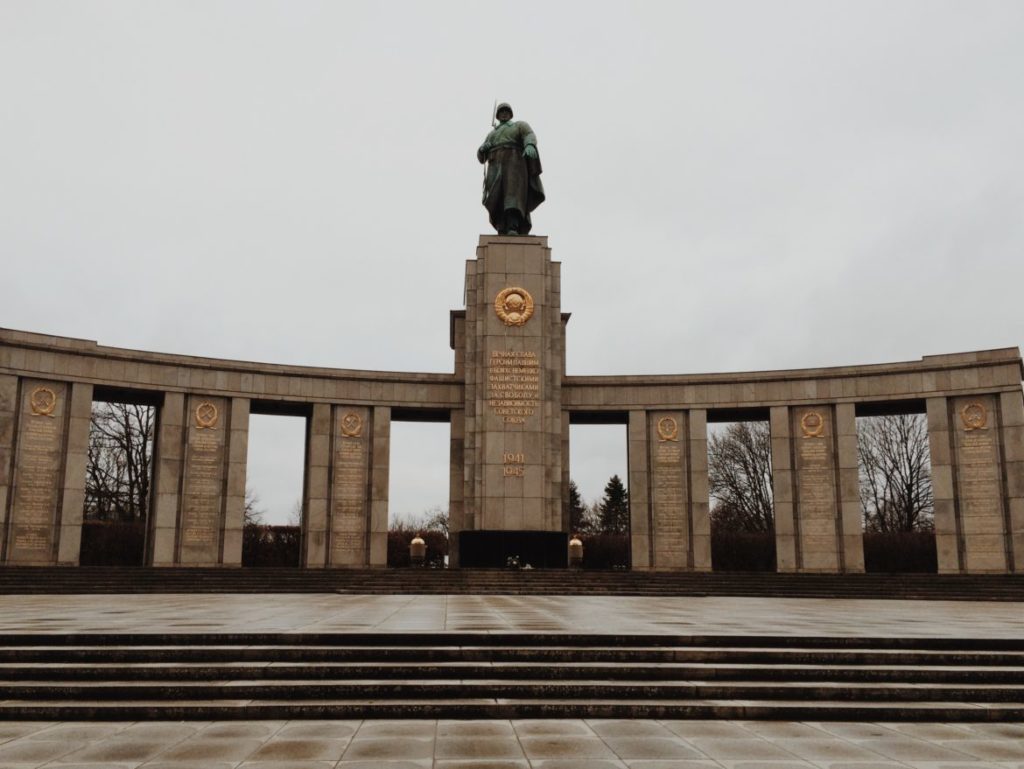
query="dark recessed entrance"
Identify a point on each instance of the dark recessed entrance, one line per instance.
(492, 549)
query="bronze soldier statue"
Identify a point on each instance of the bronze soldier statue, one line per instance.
(512, 186)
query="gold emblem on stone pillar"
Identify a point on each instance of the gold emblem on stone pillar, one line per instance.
(206, 416)
(42, 401)
(668, 429)
(812, 424)
(351, 425)
(974, 416)
(514, 306)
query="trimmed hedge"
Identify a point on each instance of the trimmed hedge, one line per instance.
(271, 546)
(904, 551)
(605, 551)
(112, 543)
(742, 551)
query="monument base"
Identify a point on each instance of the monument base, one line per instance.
(492, 549)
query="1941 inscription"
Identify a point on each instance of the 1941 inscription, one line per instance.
(513, 385)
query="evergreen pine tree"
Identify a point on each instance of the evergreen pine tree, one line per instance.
(613, 509)
(579, 521)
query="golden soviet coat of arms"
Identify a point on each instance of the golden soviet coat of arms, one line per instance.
(206, 416)
(812, 424)
(974, 416)
(351, 425)
(514, 306)
(42, 401)
(668, 429)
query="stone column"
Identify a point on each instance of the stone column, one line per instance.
(817, 511)
(947, 524)
(513, 361)
(41, 442)
(201, 527)
(1011, 409)
(234, 504)
(978, 479)
(783, 485)
(8, 419)
(168, 464)
(456, 478)
(851, 527)
(669, 493)
(348, 543)
(566, 509)
(700, 513)
(317, 487)
(639, 501)
(75, 460)
(379, 479)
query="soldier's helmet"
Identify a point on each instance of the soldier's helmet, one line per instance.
(504, 105)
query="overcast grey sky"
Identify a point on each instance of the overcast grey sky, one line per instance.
(731, 185)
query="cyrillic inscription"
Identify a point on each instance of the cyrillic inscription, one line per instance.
(204, 482)
(348, 515)
(513, 385)
(38, 476)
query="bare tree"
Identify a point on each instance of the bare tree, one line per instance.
(252, 514)
(120, 462)
(895, 473)
(740, 477)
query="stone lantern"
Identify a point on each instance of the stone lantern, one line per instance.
(575, 553)
(417, 551)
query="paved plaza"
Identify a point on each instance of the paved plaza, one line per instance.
(333, 613)
(549, 744)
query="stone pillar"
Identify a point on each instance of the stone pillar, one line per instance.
(669, 493)
(348, 542)
(817, 513)
(566, 508)
(639, 502)
(700, 513)
(234, 505)
(456, 478)
(783, 485)
(513, 363)
(981, 502)
(168, 465)
(41, 442)
(1011, 410)
(207, 430)
(851, 526)
(8, 419)
(317, 487)
(947, 524)
(75, 460)
(379, 479)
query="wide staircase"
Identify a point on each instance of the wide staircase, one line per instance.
(515, 675)
(60, 580)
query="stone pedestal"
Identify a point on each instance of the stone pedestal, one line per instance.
(513, 358)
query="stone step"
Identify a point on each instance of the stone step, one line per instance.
(487, 708)
(444, 689)
(564, 671)
(551, 655)
(555, 582)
